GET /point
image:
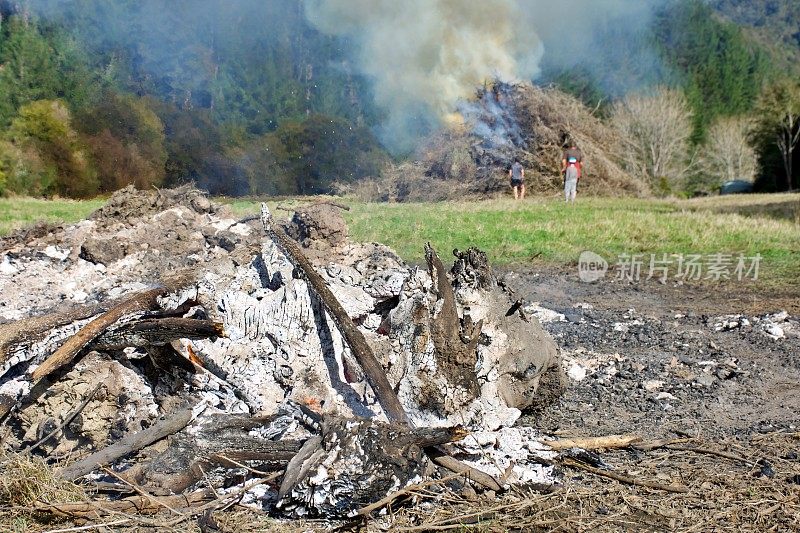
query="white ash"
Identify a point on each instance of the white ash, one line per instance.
(580, 363)
(543, 314)
(777, 326)
(280, 345)
(515, 455)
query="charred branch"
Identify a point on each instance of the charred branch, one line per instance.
(358, 344)
(156, 332)
(129, 444)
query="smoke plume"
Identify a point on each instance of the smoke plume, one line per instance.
(424, 56)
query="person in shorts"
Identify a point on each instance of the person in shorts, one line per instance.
(517, 175)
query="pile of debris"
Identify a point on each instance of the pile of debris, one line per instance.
(471, 158)
(165, 346)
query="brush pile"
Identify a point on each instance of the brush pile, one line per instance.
(471, 158)
(171, 358)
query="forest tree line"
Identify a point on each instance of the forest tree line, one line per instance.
(248, 98)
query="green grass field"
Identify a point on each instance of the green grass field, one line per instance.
(536, 231)
(16, 213)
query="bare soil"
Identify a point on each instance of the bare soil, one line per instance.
(668, 333)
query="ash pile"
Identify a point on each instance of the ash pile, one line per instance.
(163, 344)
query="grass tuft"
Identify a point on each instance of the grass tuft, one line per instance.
(26, 480)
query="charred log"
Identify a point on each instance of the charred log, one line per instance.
(373, 371)
(150, 332)
(455, 341)
(355, 463)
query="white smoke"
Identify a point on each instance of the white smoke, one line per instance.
(424, 56)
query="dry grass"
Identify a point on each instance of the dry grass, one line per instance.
(453, 165)
(26, 480)
(739, 200)
(778, 206)
(550, 114)
(723, 494)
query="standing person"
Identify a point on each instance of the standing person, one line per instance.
(571, 163)
(517, 175)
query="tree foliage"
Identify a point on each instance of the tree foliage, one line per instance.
(721, 70)
(657, 129)
(778, 132)
(305, 157)
(127, 139)
(51, 150)
(247, 97)
(171, 92)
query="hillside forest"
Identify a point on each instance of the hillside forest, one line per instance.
(250, 99)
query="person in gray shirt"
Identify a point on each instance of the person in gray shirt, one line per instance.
(517, 175)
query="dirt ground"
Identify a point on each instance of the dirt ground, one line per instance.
(668, 333)
(672, 362)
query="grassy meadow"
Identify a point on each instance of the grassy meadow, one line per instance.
(19, 212)
(537, 230)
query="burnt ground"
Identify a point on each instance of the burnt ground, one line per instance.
(660, 361)
(669, 359)
(694, 372)
(669, 362)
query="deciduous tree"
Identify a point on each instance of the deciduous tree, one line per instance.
(727, 153)
(656, 127)
(44, 129)
(778, 114)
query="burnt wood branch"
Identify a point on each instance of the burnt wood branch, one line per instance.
(41, 332)
(20, 336)
(441, 458)
(70, 334)
(362, 352)
(270, 455)
(149, 332)
(220, 440)
(142, 301)
(129, 444)
(75, 344)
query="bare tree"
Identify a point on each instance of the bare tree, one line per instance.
(656, 127)
(727, 154)
(778, 112)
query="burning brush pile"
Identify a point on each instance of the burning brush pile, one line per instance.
(170, 358)
(471, 156)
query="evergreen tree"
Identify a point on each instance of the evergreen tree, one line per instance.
(29, 70)
(721, 71)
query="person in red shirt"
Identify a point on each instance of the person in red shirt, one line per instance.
(571, 166)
